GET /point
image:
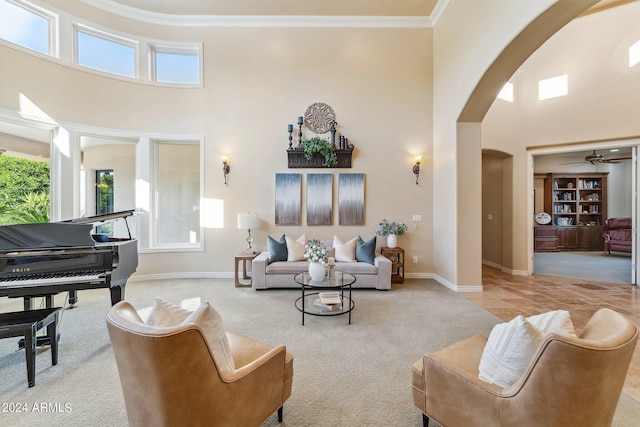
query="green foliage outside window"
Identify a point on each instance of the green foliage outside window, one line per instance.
(24, 190)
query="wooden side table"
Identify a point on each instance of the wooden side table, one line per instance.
(27, 324)
(396, 256)
(244, 258)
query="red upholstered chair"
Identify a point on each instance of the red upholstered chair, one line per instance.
(617, 235)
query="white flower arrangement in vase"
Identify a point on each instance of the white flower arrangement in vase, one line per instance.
(316, 251)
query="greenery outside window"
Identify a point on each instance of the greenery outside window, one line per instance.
(104, 198)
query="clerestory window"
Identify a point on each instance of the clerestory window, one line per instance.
(28, 26)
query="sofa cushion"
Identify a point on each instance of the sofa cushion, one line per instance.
(356, 268)
(287, 267)
(366, 251)
(295, 248)
(277, 249)
(344, 252)
(620, 235)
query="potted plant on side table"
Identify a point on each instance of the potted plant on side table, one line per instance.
(392, 230)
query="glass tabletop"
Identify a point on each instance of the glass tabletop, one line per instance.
(338, 279)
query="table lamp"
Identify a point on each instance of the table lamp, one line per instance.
(248, 221)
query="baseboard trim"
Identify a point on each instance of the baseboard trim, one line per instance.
(504, 269)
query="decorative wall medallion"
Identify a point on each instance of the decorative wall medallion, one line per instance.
(319, 118)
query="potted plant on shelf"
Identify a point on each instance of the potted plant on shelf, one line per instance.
(321, 146)
(316, 252)
(392, 230)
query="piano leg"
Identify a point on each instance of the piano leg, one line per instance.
(28, 303)
(73, 298)
(117, 294)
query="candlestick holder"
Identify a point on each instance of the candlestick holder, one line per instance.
(300, 122)
(290, 138)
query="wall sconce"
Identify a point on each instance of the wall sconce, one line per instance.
(225, 169)
(416, 168)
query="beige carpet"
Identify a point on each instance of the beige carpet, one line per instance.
(345, 375)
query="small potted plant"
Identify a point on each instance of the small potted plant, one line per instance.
(392, 230)
(322, 146)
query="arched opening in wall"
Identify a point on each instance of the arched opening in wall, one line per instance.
(514, 258)
(582, 198)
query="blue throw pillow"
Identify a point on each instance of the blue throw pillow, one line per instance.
(366, 251)
(277, 249)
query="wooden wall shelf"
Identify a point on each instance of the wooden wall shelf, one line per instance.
(296, 159)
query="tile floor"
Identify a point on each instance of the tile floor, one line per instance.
(506, 296)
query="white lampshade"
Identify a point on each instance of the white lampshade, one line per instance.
(247, 221)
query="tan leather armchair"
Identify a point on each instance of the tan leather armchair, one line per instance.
(571, 381)
(169, 377)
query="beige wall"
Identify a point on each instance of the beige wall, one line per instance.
(256, 81)
(601, 104)
(379, 82)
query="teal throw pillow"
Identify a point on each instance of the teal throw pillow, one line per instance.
(277, 249)
(366, 251)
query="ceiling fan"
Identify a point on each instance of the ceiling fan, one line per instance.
(596, 158)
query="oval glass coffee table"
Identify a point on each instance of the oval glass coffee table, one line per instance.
(310, 303)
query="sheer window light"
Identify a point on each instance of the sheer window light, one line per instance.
(506, 93)
(634, 54)
(170, 64)
(27, 26)
(553, 87)
(105, 52)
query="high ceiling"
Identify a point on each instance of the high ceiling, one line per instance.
(283, 7)
(409, 8)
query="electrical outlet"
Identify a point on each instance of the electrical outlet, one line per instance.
(415, 259)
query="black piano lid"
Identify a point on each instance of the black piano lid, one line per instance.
(44, 236)
(101, 218)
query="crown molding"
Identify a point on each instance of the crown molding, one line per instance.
(290, 21)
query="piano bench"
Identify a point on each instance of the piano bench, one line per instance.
(27, 324)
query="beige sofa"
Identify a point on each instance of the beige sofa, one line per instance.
(280, 274)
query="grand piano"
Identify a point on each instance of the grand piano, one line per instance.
(44, 259)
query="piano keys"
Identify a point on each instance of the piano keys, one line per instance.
(44, 259)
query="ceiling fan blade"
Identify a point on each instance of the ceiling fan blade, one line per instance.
(573, 163)
(610, 161)
(618, 158)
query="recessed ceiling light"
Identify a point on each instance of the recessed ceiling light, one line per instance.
(613, 150)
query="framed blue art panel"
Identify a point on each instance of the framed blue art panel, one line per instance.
(351, 199)
(319, 199)
(288, 191)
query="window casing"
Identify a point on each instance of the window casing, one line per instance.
(29, 26)
(177, 195)
(105, 52)
(175, 64)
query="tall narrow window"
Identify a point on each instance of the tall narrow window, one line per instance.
(178, 194)
(105, 52)
(104, 198)
(170, 64)
(27, 26)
